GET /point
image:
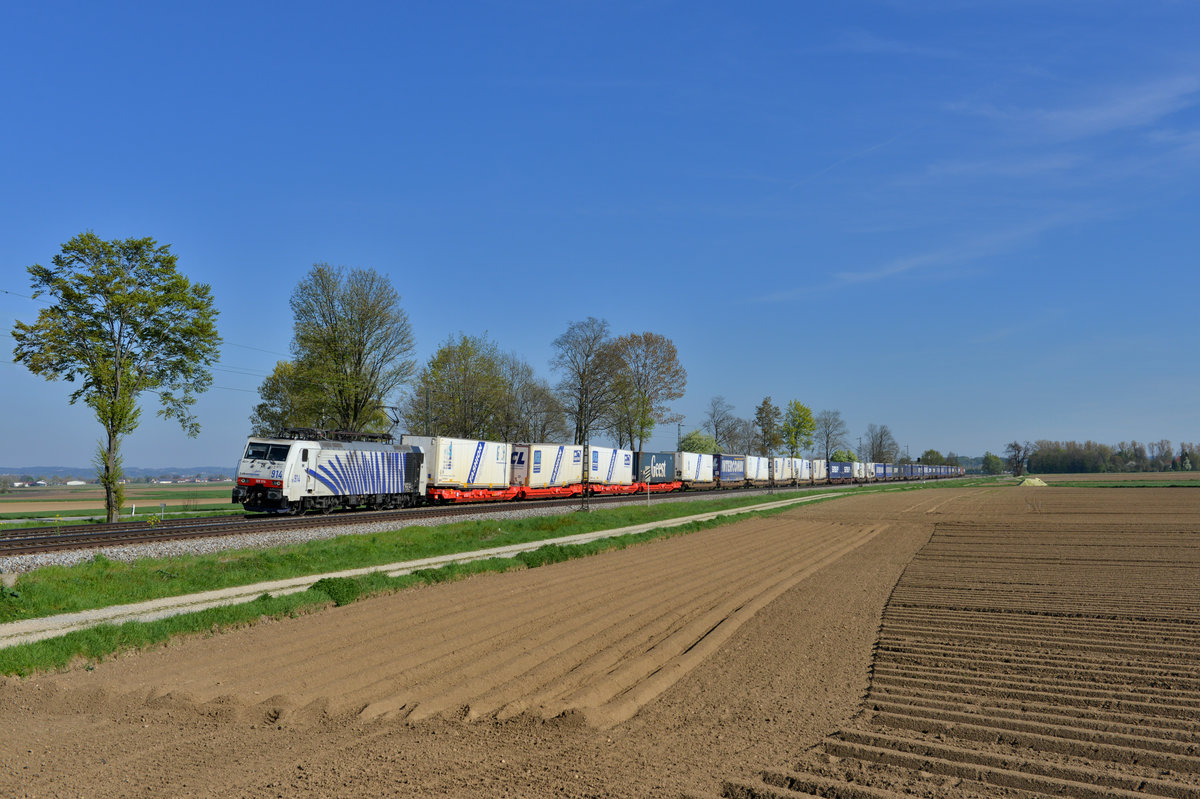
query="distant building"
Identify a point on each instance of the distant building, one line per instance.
(76, 483)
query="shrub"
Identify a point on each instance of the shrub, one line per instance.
(342, 590)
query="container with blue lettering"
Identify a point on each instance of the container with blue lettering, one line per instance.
(729, 470)
(694, 468)
(462, 462)
(608, 466)
(546, 465)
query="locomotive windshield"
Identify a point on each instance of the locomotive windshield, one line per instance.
(262, 451)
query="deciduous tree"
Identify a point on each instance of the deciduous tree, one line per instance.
(462, 392)
(648, 377)
(767, 422)
(352, 345)
(697, 441)
(123, 322)
(584, 357)
(1017, 454)
(798, 428)
(881, 445)
(719, 419)
(992, 464)
(831, 432)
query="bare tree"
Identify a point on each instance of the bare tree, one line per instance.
(881, 445)
(583, 355)
(831, 432)
(740, 437)
(1018, 455)
(719, 419)
(534, 413)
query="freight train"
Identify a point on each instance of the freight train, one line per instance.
(303, 469)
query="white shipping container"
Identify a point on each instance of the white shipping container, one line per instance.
(804, 471)
(757, 468)
(693, 467)
(547, 465)
(608, 466)
(820, 470)
(463, 462)
(783, 472)
(860, 471)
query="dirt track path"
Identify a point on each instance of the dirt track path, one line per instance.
(646, 672)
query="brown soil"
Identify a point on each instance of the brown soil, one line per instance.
(670, 668)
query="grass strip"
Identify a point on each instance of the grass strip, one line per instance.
(96, 643)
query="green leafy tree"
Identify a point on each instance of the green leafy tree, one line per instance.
(931, 457)
(352, 345)
(992, 464)
(123, 322)
(798, 428)
(697, 441)
(843, 456)
(461, 392)
(286, 402)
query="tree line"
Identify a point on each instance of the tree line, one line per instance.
(352, 357)
(1072, 457)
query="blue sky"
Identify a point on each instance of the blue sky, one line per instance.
(972, 222)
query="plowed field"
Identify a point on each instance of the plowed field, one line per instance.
(1050, 651)
(1047, 636)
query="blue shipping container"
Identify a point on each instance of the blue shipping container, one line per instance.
(729, 468)
(653, 467)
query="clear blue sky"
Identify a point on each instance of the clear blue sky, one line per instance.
(972, 222)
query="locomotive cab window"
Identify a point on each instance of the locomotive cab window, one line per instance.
(262, 451)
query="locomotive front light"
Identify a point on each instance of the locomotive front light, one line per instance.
(275, 483)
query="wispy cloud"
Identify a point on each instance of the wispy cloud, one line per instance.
(1117, 108)
(962, 252)
(1020, 167)
(864, 42)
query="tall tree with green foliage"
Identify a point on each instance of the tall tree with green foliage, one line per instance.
(352, 345)
(992, 464)
(798, 428)
(931, 457)
(286, 402)
(123, 322)
(462, 391)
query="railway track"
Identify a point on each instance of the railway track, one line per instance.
(36, 540)
(1044, 659)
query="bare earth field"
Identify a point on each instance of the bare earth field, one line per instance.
(1044, 631)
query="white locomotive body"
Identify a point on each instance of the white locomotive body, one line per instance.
(305, 470)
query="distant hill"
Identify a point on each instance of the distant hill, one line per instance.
(89, 472)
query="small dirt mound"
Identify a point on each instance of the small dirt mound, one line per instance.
(1032, 481)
